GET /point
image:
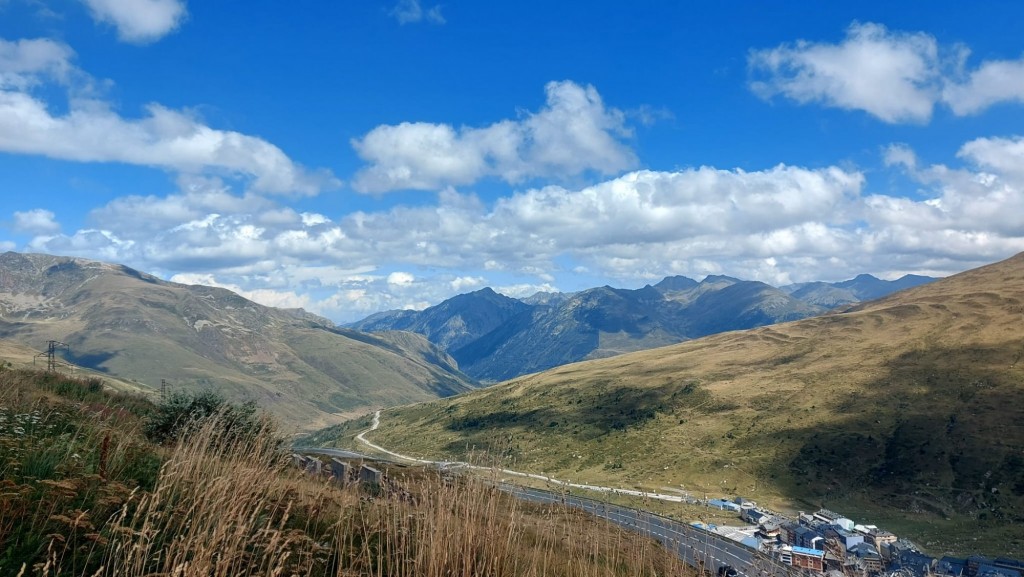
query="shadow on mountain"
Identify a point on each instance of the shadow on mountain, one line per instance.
(591, 412)
(94, 361)
(938, 433)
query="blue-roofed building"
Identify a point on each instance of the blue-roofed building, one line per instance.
(805, 558)
(724, 505)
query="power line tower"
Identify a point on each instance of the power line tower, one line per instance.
(51, 354)
(163, 390)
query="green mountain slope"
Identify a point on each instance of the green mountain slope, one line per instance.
(134, 326)
(908, 409)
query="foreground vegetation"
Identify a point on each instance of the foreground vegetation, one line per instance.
(83, 492)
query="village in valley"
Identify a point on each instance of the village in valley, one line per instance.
(829, 543)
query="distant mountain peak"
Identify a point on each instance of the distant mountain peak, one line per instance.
(495, 337)
(717, 278)
(675, 283)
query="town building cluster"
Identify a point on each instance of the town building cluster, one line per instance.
(829, 543)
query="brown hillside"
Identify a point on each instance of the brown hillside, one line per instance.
(909, 410)
(133, 326)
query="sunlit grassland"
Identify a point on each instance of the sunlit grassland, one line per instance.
(909, 409)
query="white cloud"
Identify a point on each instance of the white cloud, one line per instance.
(464, 283)
(782, 224)
(164, 138)
(314, 219)
(900, 155)
(894, 76)
(573, 133)
(1002, 155)
(139, 21)
(91, 131)
(972, 210)
(135, 215)
(410, 11)
(518, 291)
(38, 221)
(401, 278)
(266, 297)
(24, 63)
(993, 82)
(648, 206)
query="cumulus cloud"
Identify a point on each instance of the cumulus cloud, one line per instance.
(574, 132)
(523, 290)
(466, 283)
(972, 210)
(900, 155)
(266, 297)
(650, 206)
(891, 75)
(139, 21)
(25, 63)
(92, 131)
(38, 221)
(1002, 155)
(894, 76)
(401, 278)
(779, 225)
(993, 82)
(163, 138)
(410, 11)
(198, 197)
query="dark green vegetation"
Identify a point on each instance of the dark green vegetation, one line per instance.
(70, 457)
(494, 337)
(906, 411)
(83, 493)
(181, 412)
(132, 326)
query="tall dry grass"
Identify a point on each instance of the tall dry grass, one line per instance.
(231, 508)
(83, 494)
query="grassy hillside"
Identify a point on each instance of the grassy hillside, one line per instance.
(84, 494)
(132, 326)
(907, 412)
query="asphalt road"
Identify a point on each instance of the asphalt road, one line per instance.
(339, 453)
(694, 546)
(691, 544)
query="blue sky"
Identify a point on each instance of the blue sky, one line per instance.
(350, 157)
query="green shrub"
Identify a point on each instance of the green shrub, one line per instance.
(182, 413)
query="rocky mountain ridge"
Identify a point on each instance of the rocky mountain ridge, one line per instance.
(494, 337)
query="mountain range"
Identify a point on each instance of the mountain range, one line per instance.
(906, 412)
(133, 326)
(494, 337)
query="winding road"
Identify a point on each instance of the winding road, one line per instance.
(694, 546)
(361, 437)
